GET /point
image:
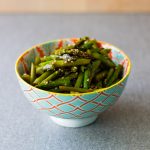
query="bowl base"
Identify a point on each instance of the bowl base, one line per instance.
(74, 122)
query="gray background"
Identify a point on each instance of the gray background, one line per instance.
(125, 127)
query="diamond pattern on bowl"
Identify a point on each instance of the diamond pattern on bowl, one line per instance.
(98, 109)
(55, 110)
(78, 111)
(73, 106)
(53, 101)
(70, 106)
(109, 101)
(87, 97)
(88, 106)
(45, 104)
(101, 98)
(77, 103)
(66, 108)
(64, 98)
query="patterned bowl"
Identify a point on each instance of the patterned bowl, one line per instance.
(71, 110)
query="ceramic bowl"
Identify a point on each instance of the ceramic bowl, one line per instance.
(71, 110)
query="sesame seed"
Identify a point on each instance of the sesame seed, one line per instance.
(47, 67)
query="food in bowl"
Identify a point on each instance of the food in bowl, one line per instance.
(84, 66)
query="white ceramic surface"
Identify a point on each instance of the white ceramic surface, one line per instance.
(74, 122)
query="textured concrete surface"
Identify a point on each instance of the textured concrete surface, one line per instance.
(125, 127)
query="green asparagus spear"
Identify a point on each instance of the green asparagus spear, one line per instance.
(105, 51)
(74, 69)
(61, 81)
(62, 63)
(74, 52)
(66, 72)
(50, 57)
(105, 60)
(58, 82)
(87, 45)
(81, 41)
(82, 68)
(95, 67)
(115, 74)
(80, 61)
(42, 77)
(26, 77)
(68, 89)
(44, 67)
(101, 75)
(32, 73)
(71, 76)
(88, 51)
(39, 70)
(86, 79)
(51, 76)
(110, 72)
(65, 51)
(79, 80)
(42, 64)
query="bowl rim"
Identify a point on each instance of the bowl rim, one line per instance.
(73, 94)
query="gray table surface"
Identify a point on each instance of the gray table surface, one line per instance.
(125, 127)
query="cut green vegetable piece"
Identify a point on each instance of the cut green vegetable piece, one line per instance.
(110, 72)
(105, 52)
(80, 61)
(87, 45)
(49, 58)
(33, 73)
(86, 79)
(39, 70)
(79, 80)
(81, 41)
(95, 67)
(101, 75)
(115, 74)
(105, 60)
(26, 77)
(42, 64)
(51, 76)
(74, 69)
(42, 77)
(58, 82)
(61, 81)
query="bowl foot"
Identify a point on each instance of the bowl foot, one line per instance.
(74, 122)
